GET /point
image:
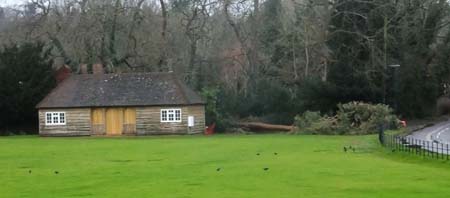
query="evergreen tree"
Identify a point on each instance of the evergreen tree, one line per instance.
(26, 76)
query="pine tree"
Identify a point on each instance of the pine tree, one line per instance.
(26, 76)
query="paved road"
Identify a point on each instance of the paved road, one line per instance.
(438, 137)
(439, 132)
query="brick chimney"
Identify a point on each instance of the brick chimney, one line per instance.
(98, 68)
(62, 73)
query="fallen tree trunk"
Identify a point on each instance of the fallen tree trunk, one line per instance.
(259, 126)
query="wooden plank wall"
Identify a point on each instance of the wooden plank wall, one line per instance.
(78, 122)
(129, 123)
(148, 121)
(98, 121)
(198, 112)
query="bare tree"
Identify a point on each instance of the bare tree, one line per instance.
(162, 63)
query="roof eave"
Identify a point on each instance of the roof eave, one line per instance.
(112, 106)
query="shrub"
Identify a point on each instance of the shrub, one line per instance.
(311, 122)
(364, 118)
(307, 119)
(355, 118)
(325, 126)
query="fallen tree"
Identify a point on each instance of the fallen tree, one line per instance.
(259, 126)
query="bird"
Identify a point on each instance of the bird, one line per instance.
(257, 153)
(29, 171)
(218, 169)
(393, 150)
(266, 169)
(350, 147)
(275, 153)
(353, 149)
(56, 172)
(345, 149)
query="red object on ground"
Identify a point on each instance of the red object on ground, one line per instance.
(403, 123)
(210, 129)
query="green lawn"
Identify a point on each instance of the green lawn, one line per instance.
(185, 166)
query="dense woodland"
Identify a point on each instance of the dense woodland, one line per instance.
(251, 59)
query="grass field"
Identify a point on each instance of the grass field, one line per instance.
(186, 166)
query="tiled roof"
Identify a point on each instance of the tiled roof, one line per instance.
(128, 89)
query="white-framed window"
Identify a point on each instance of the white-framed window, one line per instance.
(170, 115)
(55, 118)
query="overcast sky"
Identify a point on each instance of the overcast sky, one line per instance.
(10, 2)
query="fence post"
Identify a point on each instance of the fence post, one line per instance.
(422, 148)
(419, 148)
(416, 146)
(402, 148)
(433, 154)
(409, 145)
(428, 148)
(410, 142)
(406, 145)
(432, 149)
(381, 134)
(438, 151)
(442, 150)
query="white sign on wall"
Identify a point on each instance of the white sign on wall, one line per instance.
(190, 121)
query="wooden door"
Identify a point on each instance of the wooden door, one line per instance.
(129, 121)
(114, 121)
(98, 121)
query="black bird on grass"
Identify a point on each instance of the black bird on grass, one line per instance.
(266, 169)
(393, 150)
(29, 171)
(350, 147)
(257, 153)
(345, 149)
(353, 149)
(218, 169)
(56, 172)
(275, 153)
